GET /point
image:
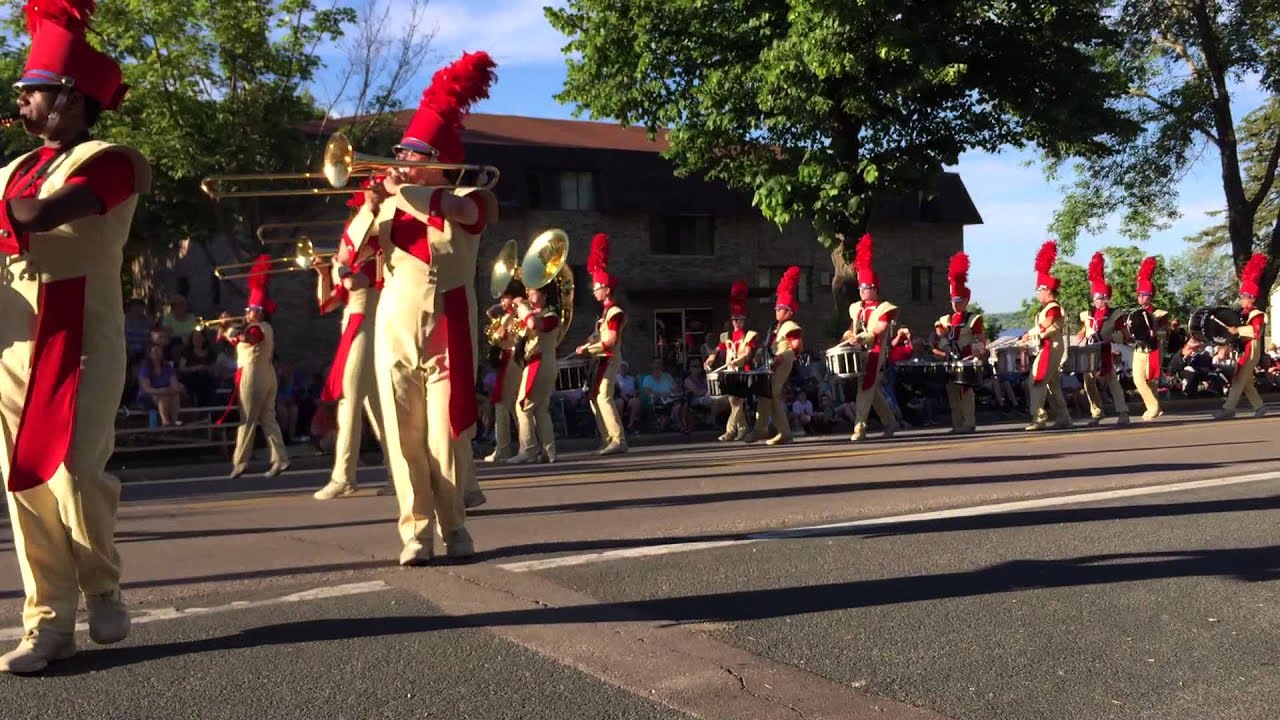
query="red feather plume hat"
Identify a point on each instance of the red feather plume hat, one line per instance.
(436, 127)
(1045, 259)
(598, 262)
(788, 289)
(60, 54)
(259, 276)
(862, 262)
(1146, 276)
(958, 276)
(1251, 276)
(738, 299)
(1098, 286)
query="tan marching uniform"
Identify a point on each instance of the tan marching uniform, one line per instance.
(1142, 380)
(359, 387)
(537, 382)
(964, 412)
(1109, 336)
(737, 357)
(257, 393)
(869, 392)
(1046, 371)
(784, 359)
(1253, 329)
(608, 420)
(426, 319)
(510, 371)
(63, 529)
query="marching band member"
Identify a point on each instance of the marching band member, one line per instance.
(869, 320)
(1146, 360)
(507, 385)
(738, 346)
(786, 339)
(1045, 373)
(256, 381)
(606, 344)
(964, 338)
(424, 341)
(540, 324)
(352, 284)
(1251, 332)
(1099, 326)
(68, 206)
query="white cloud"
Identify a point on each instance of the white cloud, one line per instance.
(514, 32)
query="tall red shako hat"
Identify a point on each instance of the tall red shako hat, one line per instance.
(1251, 276)
(788, 287)
(598, 262)
(862, 263)
(60, 54)
(1045, 259)
(1098, 286)
(436, 128)
(1146, 275)
(738, 299)
(259, 276)
(958, 276)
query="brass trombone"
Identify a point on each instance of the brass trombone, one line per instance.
(304, 258)
(293, 228)
(341, 164)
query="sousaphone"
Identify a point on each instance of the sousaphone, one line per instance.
(548, 261)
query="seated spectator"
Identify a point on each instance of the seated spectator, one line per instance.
(196, 368)
(137, 328)
(287, 396)
(158, 386)
(627, 398)
(802, 414)
(179, 321)
(695, 396)
(657, 395)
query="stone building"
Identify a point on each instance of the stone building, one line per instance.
(677, 243)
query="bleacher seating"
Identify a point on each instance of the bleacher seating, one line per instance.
(199, 432)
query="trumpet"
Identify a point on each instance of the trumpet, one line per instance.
(202, 324)
(341, 164)
(304, 257)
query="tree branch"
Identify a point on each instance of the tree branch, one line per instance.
(1179, 49)
(1268, 176)
(1171, 109)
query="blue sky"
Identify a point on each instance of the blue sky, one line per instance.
(1016, 202)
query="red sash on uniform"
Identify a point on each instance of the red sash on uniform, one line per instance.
(872, 374)
(231, 401)
(332, 391)
(456, 325)
(531, 373)
(49, 411)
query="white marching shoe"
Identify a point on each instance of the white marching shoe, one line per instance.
(37, 649)
(334, 489)
(108, 617)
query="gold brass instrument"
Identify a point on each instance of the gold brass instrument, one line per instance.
(266, 229)
(202, 324)
(545, 262)
(505, 270)
(341, 164)
(304, 258)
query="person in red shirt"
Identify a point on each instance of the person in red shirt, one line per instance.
(1045, 381)
(68, 207)
(1251, 332)
(739, 347)
(540, 324)
(605, 345)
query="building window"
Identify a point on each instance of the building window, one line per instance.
(770, 276)
(922, 284)
(562, 190)
(682, 235)
(678, 336)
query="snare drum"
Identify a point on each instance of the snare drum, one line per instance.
(1209, 325)
(571, 374)
(967, 373)
(923, 371)
(714, 390)
(1007, 360)
(1084, 358)
(847, 361)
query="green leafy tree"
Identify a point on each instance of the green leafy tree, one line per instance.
(1182, 59)
(1259, 135)
(216, 88)
(817, 107)
(991, 326)
(1201, 278)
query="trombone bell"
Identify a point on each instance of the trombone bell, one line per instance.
(505, 269)
(546, 256)
(304, 258)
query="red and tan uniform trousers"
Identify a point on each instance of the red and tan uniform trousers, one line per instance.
(739, 346)
(1252, 333)
(1045, 378)
(256, 386)
(62, 370)
(425, 354)
(1146, 366)
(604, 385)
(785, 339)
(506, 388)
(870, 394)
(964, 330)
(538, 382)
(352, 383)
(1101, 325)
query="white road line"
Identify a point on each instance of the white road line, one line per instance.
(154, 614)
(832, 528)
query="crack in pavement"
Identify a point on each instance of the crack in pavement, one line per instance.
(742, 682)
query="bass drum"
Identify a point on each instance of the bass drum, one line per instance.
(1138, 328)
(1209, 325)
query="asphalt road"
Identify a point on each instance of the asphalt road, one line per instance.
(673, 582)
